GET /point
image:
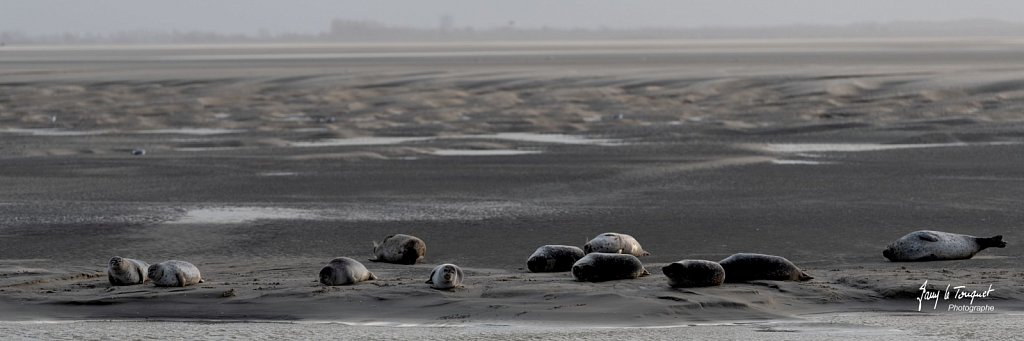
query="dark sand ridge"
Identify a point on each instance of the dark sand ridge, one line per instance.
(705, 170)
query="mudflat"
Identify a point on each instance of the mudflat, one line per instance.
(264, 162)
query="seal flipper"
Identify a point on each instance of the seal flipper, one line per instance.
(996, 241)
(430, 280)
(142, 274)
(371, 276)
(181, 278)
(376, 246)
(804, 277)
(928, 237)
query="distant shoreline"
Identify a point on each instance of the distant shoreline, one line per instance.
(356, 31)
(516, 44)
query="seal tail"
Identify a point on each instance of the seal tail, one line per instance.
(996, 241)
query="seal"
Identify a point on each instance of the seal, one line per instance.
(615, 243)
(127, 271)
(744, 267)
(446, 277)
(345, 271)
(174, 273)
(554, 258)
(399, 249)
(921, 246)
(690, 273)
(600, 267)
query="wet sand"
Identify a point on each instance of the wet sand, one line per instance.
(264, 162)
(844, 326)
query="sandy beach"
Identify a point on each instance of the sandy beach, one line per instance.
(263, 162)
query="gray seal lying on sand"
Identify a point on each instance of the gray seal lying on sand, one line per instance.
(399, 249)
(599, 267)
(446, 277)
(345, 271)
(743, 267)
(694, 273)
(615, 243)
(920, 246)
(174, 273)
(554, 258)
(127, 271)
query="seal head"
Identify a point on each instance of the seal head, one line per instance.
(446, 277)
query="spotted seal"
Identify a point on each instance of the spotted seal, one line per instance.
(174, 273)
(743, 267)
(446, 277)
(399, 249)
(694, 273)
(127, 271)
(599, 267)
(615, 243)
(920, 246)
(554, 258)
(345, 271)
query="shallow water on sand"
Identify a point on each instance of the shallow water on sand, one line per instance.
(846, 326)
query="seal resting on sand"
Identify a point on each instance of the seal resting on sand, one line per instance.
(127, 271)
(920, 246)
(615, 243)
(599, 267)
(554, 258)
(399, 249)
(446, 277)
(345, 271)
(743, 267)
(174, 273)
(694, 273)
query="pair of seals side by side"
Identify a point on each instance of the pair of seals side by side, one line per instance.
(348, 271)
(399, 249)
(740, 267)
(172, 273)
(926, 245)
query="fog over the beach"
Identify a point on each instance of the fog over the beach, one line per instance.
(313, 16)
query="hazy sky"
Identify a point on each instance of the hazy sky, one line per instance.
(311, 16)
